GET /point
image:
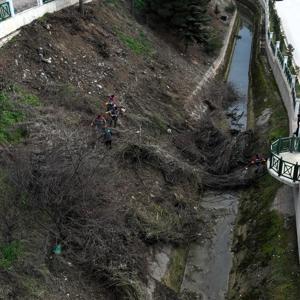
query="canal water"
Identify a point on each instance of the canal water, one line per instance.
(238, 75)
(210, 260)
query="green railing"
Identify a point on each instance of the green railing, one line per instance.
(5, 12)
(280, 57)
(47, 1)
(281, 167)
(288, 75)
(272, 47)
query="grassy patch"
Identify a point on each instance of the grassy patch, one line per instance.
(269, 243)
(33, 287)
(9, 116)
(112, 2)
(158, 121)
(173, 277)
(138, 44)
(12, 111)
(266, 95)
(9, 254)
(44, 19)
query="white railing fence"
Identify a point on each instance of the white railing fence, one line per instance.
(15, 14)
(286, 79)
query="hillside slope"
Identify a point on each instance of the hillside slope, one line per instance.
(60, 186)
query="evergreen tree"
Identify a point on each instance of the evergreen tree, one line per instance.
(189, 18)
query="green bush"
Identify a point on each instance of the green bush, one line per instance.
(11, 113)
(139, 4)
(213, 44)
(9, 254)
(9, 116)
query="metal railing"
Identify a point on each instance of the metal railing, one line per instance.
(288, 75)
(288, 70)
(5, 12)
(280, 58)
(10, 8)
(282, 167)
(294, 96)
(272, 47)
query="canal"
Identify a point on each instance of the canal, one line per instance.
(238, 75)
(210, 260)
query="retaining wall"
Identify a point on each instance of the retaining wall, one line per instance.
(219, 62)
(16, 21)
(284, 78)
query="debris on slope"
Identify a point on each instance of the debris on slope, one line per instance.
(105, 207)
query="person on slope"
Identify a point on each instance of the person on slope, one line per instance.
(114, 115)
(108, 138)
(99, 123)
(110, 103)
(257, 160)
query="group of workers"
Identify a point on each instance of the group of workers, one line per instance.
(258, 161)
(105, 121)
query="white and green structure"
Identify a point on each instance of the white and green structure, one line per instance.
(15, 14)
(284, 160)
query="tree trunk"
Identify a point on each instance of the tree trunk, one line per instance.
(81, 8)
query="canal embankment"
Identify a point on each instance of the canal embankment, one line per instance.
(265, 245)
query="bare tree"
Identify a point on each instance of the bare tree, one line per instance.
(81, 7)
(65, 183)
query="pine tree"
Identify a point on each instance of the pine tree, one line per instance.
(188, 18)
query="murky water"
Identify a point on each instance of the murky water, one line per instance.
(238, 75)
(210, 260)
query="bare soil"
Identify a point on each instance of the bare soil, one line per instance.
(105, 207)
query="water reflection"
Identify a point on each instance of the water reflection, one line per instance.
(238, 76)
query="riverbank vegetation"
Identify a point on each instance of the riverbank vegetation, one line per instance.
(266, 257)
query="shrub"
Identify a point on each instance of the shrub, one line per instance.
(213, 44)
(230, 8)
(9, 254)
(12, 111)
